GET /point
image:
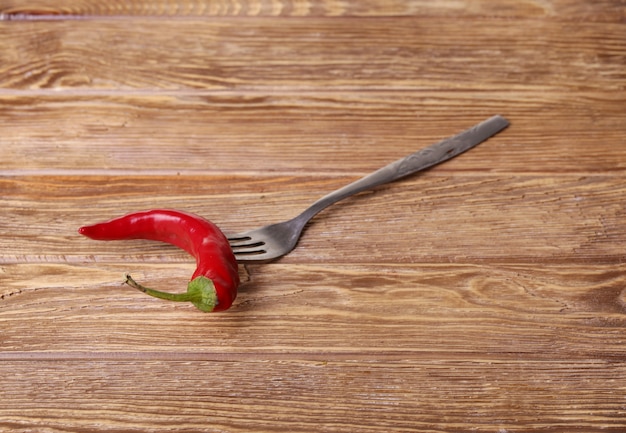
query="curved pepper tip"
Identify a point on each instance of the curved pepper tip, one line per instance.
(87, 231)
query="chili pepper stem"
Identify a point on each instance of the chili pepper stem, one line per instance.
(177, 297)
(200, 292)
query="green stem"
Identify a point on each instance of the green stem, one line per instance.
(177, 297)
(200, 292)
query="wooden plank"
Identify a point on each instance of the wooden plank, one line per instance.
(610, 10)
(430, 218)
(304, 396)
(508, 312)
(312, 53)
(310, 134)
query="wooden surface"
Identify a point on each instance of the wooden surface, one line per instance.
(487, 294)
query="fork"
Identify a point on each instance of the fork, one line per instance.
(276, 240)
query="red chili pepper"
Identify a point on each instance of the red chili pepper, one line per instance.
(213, 286)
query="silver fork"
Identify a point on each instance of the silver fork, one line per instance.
(276, 240)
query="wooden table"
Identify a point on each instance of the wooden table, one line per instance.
(487, 294)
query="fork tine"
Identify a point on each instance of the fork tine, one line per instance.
(267, 242)
(245, 247)
(249, 248)
(260, 257)
(241, 241)
(241, 237)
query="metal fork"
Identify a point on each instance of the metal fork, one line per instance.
(276, 240)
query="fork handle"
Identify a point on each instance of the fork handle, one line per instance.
(420, 160)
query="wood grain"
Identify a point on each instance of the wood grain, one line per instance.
(260, 132)
(611, 10)
(487, 294)
(431, 218)
(320, 310)
(390, 53)
(375, 396)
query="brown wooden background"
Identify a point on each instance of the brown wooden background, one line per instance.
(484, 295)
